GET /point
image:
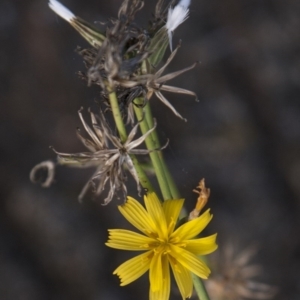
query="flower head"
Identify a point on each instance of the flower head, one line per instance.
(163, 245)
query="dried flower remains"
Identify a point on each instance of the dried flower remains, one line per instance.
(233, 278)
(125, 59)
(110, 162)
(155, 83)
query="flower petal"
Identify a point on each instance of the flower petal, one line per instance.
(156, 272)
(172, 210)
(192, 228)
(136, 214)
(128, 240)
(164, 292)
(190, 261)
(156, 212)
(134, 268)
(202, 246)
(183, 278)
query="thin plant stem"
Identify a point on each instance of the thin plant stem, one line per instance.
(146, 184)
(200, 288)
(117, 115)
(151, 145)
(149, 118)
(172, 186)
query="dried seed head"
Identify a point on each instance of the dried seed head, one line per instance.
(233, 277)
(108, 155)
(126, 59)
(155, 83)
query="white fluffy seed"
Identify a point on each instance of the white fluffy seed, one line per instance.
(61, 10)
(176, 16)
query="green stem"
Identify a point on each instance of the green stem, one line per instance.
(200, 288)
(149, 119)
(146, 184)
(117, 115)
(151, 145)
(172, 186)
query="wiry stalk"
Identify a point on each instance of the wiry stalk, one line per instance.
(151, 145)
(172, 186)
(146, 184)
(200, 288)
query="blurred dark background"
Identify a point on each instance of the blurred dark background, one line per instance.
(243, 137)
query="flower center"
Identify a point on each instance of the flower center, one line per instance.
(161, 246)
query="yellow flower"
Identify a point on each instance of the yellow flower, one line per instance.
(163, 245)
